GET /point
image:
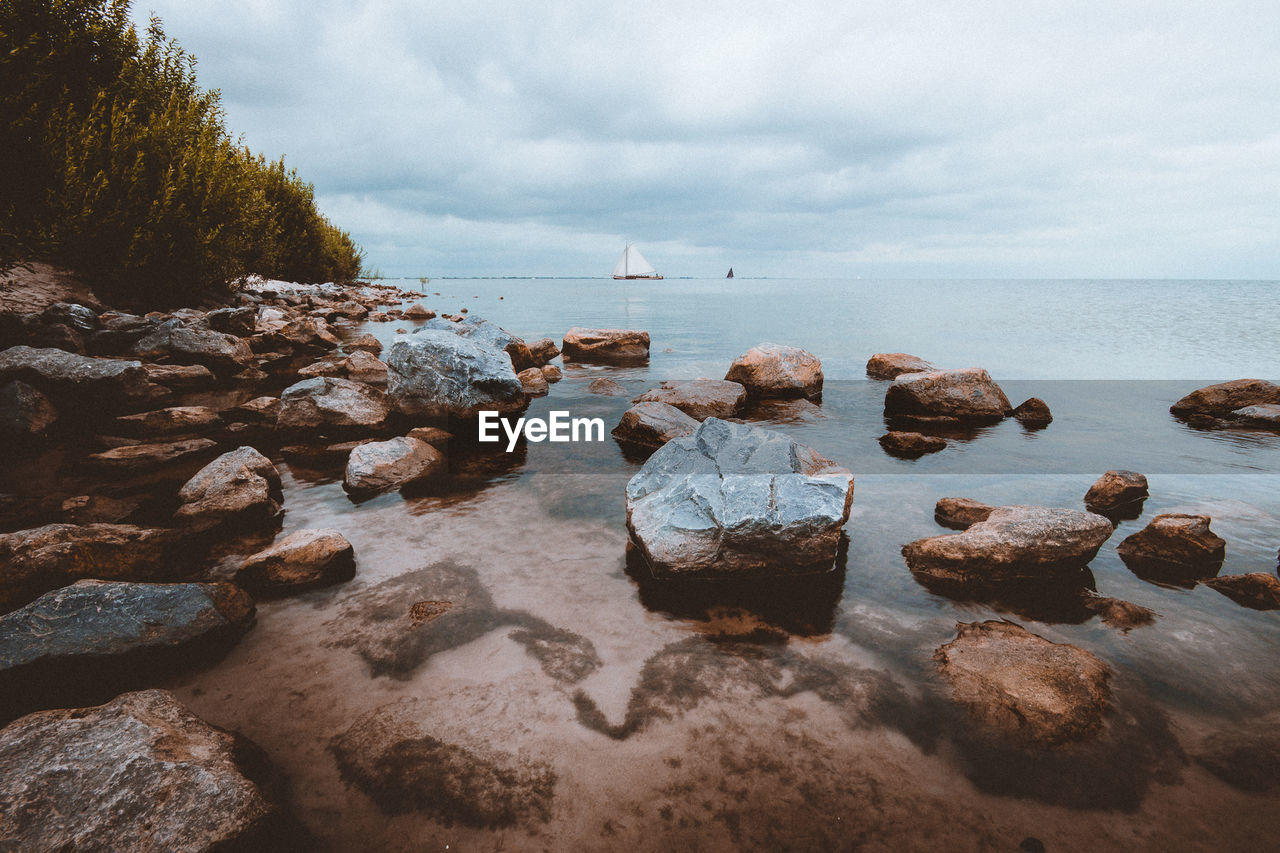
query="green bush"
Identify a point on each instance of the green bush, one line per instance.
(123, 169)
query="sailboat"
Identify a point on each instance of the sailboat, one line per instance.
(730, 275)
(633, 265)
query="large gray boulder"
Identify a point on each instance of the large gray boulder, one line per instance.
(85, 642)
(326, 402)
(967, 394)
(491, 335)
(239, 487)
(778, 370)
(139, 773)
(67, 378)
(736, 500)
(436, 373)
(380, 466)
(194, 345)
(699, 398)
(35, 560)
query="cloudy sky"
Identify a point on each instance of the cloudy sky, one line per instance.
(894, 138)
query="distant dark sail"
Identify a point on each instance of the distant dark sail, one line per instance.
(730, 275)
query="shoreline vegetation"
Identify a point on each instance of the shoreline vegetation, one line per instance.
(119, 166)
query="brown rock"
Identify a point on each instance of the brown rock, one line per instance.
(1118, 613)
(653, 424)
(960, 513)
(434, 436)
(171, 420)
(1024, 685)
(365, 342)
(1115, 489)
(303, 560)
(776, 370)
(1266, 415)
(891, 365)
(54, 555)
(418, 311)
(965, 394)
(1256, 590)
(1174, 547)
(605, 344)
(381, 466)
(535, 384)
(1033, 412)
(260, 409)
(326, 402)
(99, 509)
(543, 350)
(551, 373)
(699, 398)
(911, 445)
(607, 388)
(239, 487)
(24, 411)
(360, 366)
(1224, 398)
(184, 376)
(142, 456)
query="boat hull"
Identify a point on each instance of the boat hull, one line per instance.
(637, 278)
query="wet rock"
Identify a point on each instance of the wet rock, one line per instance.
(1267, 415)
(543, 350)
(1174, 547)
(365, 342)
(1024, 685)
(1014, 543)
(605, 345)
(177, 419)
(1256, 590)
(147, 775)
(181, 376)
(489, 334)
(308, 333)
(303, 560)
(86, 642)
(418, 311)
(551, 373)
(735, 500)
(388, 756)
(79, 317)
(380, 466)
(434, 436)
(241, 321)
(24, 411)
(1245, 755)
(194, 345)
(606, 388)
(960, 513)
(326, 402)
(535, 384)
(1033, 412)
(139, 457)
(435, 373)
(259, 409)
(350, 309)
(54, 555)
(776, 370)
(76, 379)
(1115, 489)
(891, 365)
(699, 398)
(1224, 398)
(240, 487)
(653, 424)
(911, 445)
(95, 509)
(967, 394)
(360, 366)
(1118, 613)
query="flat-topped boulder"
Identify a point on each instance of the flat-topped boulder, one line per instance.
(175, 419)
(1023, 685)
(240, 487)
(605, 345)
(1265, 415)
(1226, 397)
(1115, 490)
(733, 500)
(54, 555)
(960, 513)
(652, 424)
(1014, 543)
(148, 775)
(305, 559)
(777, 370)
(891, 365)
(85, 642)
(380, 466)
(184, 344)
(966, 394)
(137, 457)
(699, 398)
(80, 380)
(1175, 547)
(911, 445)
(435, 373)
(1256, 590)
(327, 402)
(24, 411)
(181, 376)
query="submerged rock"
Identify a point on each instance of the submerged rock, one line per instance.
(303, 560)
(1114, 490)
(1118, 613)
(606, 388)
(777, 370)
(960, 513)
(1024, 685)
(1174, 547)
(435, 373)
(240, 487)
(911, 445)
(699, 398)
(45, 557)
(606, 345)
(653, 424)
(737, 500)
(967, 394)
(1256, 590)
(24, 411)
(1226, 397)
(139, 773)
(325, 402)
(380, 466)
(1033, 412)
(891, 365)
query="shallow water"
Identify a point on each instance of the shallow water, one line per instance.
(498, 651)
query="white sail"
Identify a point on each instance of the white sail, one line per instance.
(632, 263)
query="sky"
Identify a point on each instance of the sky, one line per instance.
(800, 139)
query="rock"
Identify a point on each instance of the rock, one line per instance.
(351, 310)
(240, 487)
(360, 366)
(960, 513)
(1266, 415)
(139, 773)
(534, 383)
(95, 509)
(260, 409)
(303, 560)
(54, 555)
(490, 335)
(1174, 547)
(171, 420)
(543, 350)
(699, 398)
(551, 373)
(251, 375)
(326, 403)
(1024, 685)
(308, 333)
(652, 424)
(365, 342)
(967, 394)
(1033, 412)
(1014, 543)
(891, 365)
(737, 500)
(241, 321)
(86, 642)
(79, 317)
(270, 320)
(24, 411)
(1256, 590)
(418, 311)
(1118, 613)
(911, 445)
(136, 457)
(434, 436)
(434, 373)
(380, 466)
(775, 370)
(1224, 398)
(194, 345)
(184, 376)
(607, 388)
(605, 345)
(1244, 755)
(1115, 489)
(76, 380)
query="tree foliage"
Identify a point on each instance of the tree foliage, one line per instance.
(118, 164)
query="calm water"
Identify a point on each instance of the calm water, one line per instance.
(498, 650)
